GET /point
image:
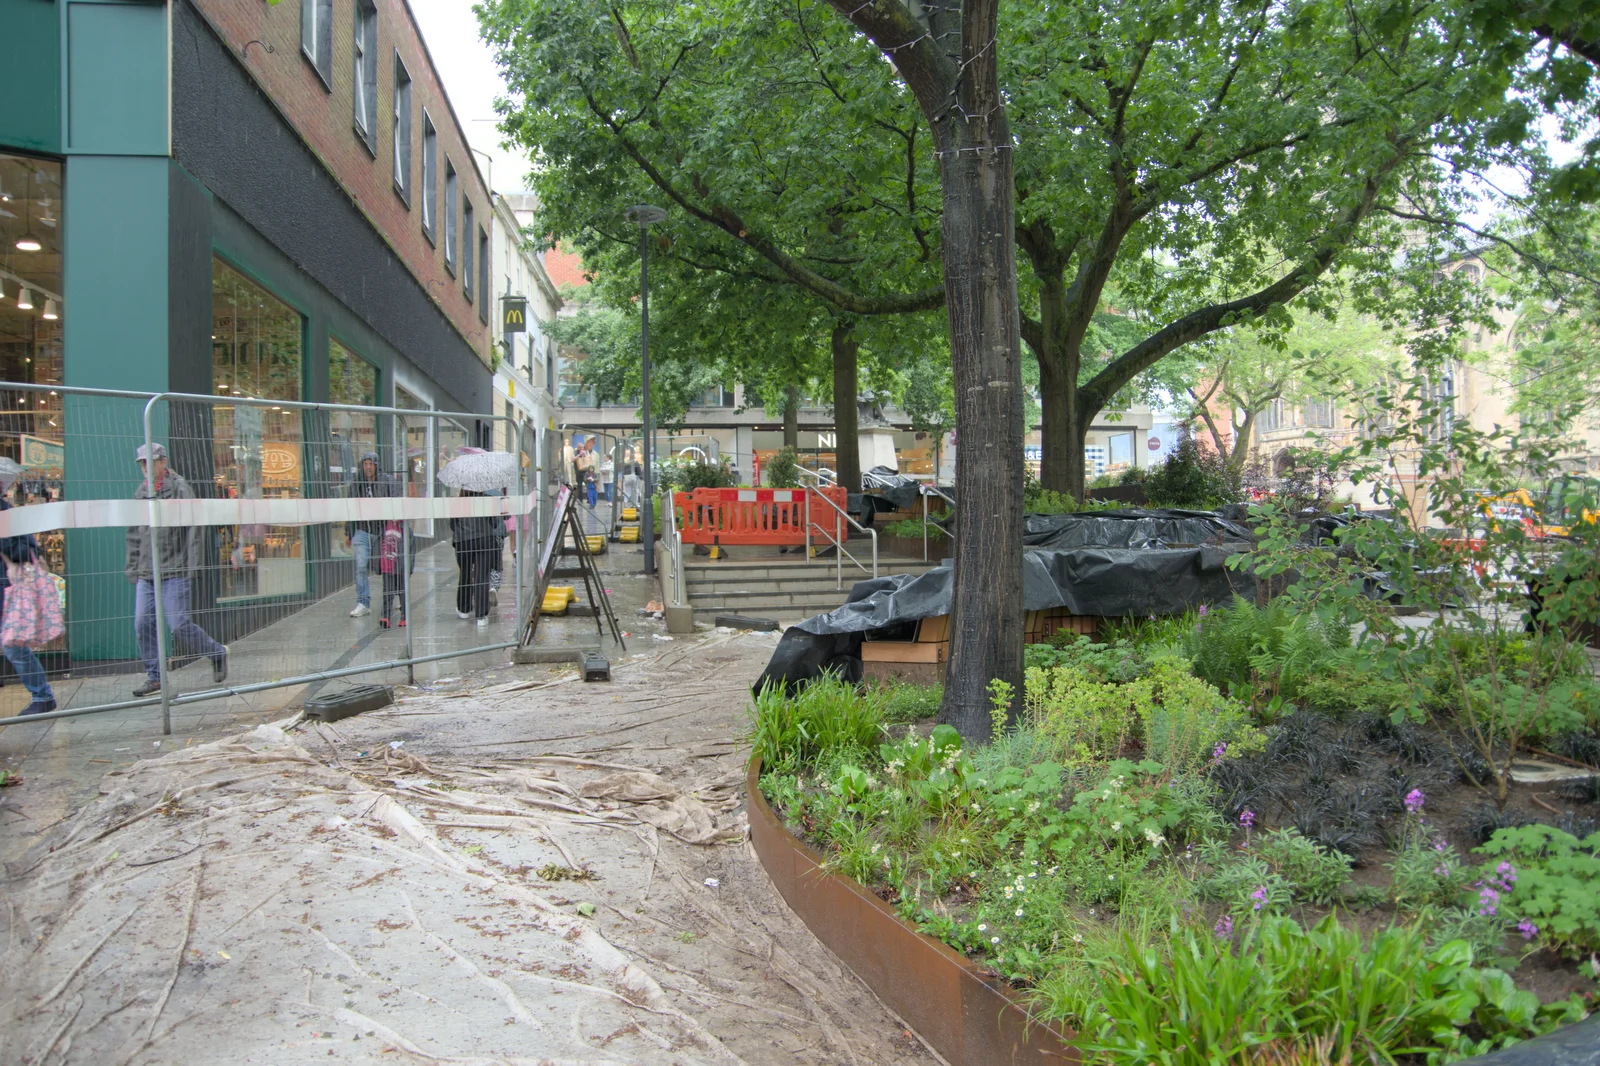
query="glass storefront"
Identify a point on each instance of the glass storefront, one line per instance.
(32, 310)
(256, 351)
(351, 380)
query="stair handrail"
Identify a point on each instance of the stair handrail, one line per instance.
(925, 491)
(674, 546)
(838, 541)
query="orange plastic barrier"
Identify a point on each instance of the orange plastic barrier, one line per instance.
(756, 516)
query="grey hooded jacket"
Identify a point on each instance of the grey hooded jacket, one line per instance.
(180, 546)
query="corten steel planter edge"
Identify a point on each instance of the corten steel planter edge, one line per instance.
(967, 1017)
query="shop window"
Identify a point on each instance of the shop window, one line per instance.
(316, 37)
(467, 224)
(256, 353)
(483, 277)
(351, 380)
(364, 94)
(402, 130)
(32, 312)
(430, 178)
(450, 222)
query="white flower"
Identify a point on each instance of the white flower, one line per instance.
(1116, 827)
(1155, 838)
(983, 927)
(1034, 874)
(994, 940)
(1036, 862)
(1077, 938)
(1019, 912)
(1052, 870)
(1009, 890)
(1111, 877)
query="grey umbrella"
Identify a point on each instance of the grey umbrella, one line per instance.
(480, 471)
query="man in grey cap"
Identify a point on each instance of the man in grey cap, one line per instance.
(363, 537)
(180, 557)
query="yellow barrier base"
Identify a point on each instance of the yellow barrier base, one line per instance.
(629, 535)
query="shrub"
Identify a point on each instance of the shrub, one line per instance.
(1554, 885)
(1183, 721)
(684, 475)
(912, 528)
(783, 472)
(1287, 993)
(1270, 651)
(1191, 478)
(825, 717)
(902, 701)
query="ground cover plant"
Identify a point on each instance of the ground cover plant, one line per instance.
(1193, 811)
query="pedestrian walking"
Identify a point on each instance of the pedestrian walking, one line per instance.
(630, 481)
(364, 537)
(476, 544)
(179, 548)
(19, 552)
(608, 471)
(392, 565)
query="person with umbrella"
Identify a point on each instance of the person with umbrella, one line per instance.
(20, 551)
(478, 540)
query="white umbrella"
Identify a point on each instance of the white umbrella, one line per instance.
(480, 471)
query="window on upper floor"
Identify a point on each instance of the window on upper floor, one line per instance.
(430, 179)
(364, 96)
(450, 217)
(1321, 414)
(402, 130)
(483, 276)
(316, 37)
(466, 248)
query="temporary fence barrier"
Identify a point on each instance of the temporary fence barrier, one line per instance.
(756, 516)
(259, 548)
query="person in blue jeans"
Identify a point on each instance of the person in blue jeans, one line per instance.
(365, 539)
(30, 671)
(180, 557)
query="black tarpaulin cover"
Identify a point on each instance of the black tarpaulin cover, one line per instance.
(1134, 527)
(1108, 582)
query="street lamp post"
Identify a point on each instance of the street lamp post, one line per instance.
(643, 215)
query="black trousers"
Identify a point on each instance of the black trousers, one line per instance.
(394, 600)
(473, 563)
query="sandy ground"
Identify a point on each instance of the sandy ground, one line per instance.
(515, 867)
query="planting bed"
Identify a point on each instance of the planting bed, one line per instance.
(1292, 872)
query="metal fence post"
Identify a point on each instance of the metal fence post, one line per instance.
(155, 574)
(405, 543)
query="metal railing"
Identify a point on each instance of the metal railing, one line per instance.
(254, 545)
(822, 475)
(673, 542)
(925, 491)
(837, 538)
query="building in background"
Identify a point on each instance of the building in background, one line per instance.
(526, 302)
(234, 198)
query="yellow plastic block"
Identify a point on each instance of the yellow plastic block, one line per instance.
(629, 535)
(630, 514)
(596, 543)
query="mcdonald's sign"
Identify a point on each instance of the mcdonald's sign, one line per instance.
(513, 314)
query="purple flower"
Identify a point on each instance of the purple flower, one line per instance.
(1219, 752)
(1441, 871)
(1527, 929)
(1247, 818)
(1260, 896)
(1441, 845)
(1202, 610)
(1415, 800)
(1488, 900)
(1223, 928)
(1508, 874)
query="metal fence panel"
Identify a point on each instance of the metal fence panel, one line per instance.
(260, 518)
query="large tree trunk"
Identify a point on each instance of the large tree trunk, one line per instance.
(791, 416)
(959, 94)
(847, 444)
(981, 293)
(1058, 394)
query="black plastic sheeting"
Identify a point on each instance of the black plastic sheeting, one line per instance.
(1154, 527)
(1109, 582)
(904, 493)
